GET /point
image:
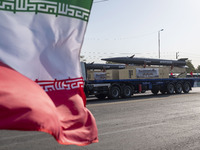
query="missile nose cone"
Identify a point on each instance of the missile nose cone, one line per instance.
(117, 59)
(104, 59)
(107, 59)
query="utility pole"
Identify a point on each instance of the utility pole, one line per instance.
(159, 42)
(177, 54)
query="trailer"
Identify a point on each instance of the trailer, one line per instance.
(115, 89)
(124, 82)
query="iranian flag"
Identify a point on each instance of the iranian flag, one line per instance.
(41, 86)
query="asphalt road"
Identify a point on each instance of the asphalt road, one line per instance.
(139, 123)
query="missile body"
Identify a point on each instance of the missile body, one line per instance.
(146, 61)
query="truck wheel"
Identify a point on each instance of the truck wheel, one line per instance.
(155, 91)
(170, 88)
(127, 91)
(162, 91)
(178, 88)
(101, 96)
(186, 87)
(114, 92)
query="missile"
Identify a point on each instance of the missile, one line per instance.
(147, 61)
(104, 66)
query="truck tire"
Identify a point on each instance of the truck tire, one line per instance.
(101, 96)
(178, 88)
(170, 88)
(155, 91)
(114, 92)
(186, 87)
(127, 91)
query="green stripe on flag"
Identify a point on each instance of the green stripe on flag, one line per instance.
(79, 9)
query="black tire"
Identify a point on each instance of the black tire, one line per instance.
(178, 88)
(186, 87)
(127, 91)
(114, 92)
(170, 88)
(155, 91)
(101, 96)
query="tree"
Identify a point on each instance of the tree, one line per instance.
(198, 69)
(190, 66)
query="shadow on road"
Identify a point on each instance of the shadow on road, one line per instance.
(94, 100)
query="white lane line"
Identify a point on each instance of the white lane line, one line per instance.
(129, 129)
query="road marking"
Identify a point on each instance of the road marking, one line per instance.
(127, 101)
(130, 129)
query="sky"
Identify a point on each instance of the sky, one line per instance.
(120, 28)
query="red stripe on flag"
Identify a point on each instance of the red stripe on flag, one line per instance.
(25, 106)
(21, 101)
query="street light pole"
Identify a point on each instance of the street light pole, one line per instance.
(159, 42)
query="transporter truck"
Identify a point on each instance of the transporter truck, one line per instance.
(115, 81)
